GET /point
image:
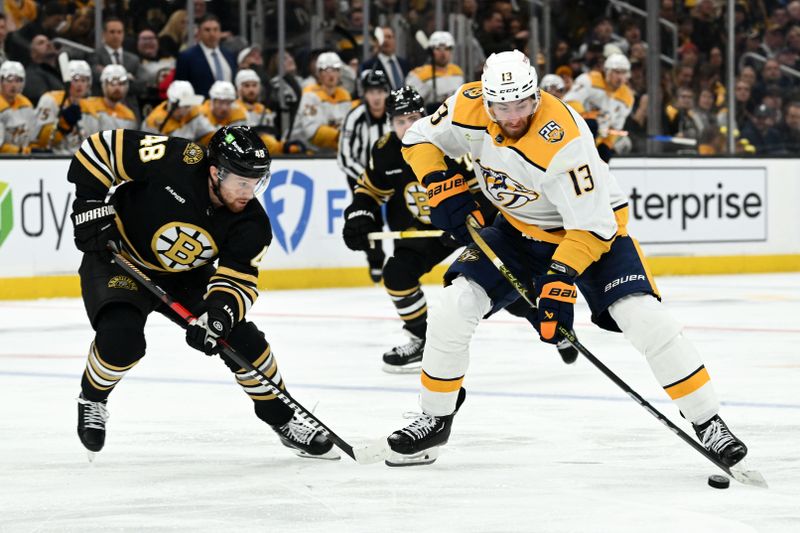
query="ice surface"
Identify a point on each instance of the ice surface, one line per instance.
(538, 446)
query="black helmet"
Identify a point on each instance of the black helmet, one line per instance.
(374, 79)
(404, 101)
(238, 149)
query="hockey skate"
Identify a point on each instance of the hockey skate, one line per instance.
(92, 417)
(567, 351)
(718, 439)
(304, 440)
(418, 443)
(406, 358)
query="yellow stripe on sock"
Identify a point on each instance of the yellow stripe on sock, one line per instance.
(689, 384)
(440, 385)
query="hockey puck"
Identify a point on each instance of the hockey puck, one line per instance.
(719, 482)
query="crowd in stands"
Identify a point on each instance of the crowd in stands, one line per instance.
(145, 75)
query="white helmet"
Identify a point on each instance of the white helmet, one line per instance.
(114, 73)
(79, 68)
(222, 90)
(552, 81)
(181, 93)
(507, 77)
(441, 38)
(329, 60)
(244, 75)
(12, 68)
(617, 62)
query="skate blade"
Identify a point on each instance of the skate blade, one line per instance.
(412, 368)
(90, 455)
(330, 455)
(741, 474)
(374, 452)
(425, 457)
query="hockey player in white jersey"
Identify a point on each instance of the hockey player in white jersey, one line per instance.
(561, 224)
(16, 111)
(109, 111)
(60, 122)
(605, 101)
(441, 78)
(180, 115)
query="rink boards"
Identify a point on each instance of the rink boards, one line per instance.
(692, 216)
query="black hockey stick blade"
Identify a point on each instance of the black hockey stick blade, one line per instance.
(372, 452)
(748, 477)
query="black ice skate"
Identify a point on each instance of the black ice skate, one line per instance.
(92, 417)
(305, 441)
(419, 442)
(406, 358)
(567, 352)
(718, 439)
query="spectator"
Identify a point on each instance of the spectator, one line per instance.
(748, 75)
(16, 111)
(440, 79)
(42, 74)
(180, 115)
(172, 37)
(206, 62)
(80, 27)
(60, 123)
(684, 76)
(111, 53)
(50, 17)
(741, 94)
(561, 53)
(682, 120)
(153, 68)
(707, 30)
(632, 35)
(601, 35)
(789, 128)
(3, 35)
(793, 11)
(770, 75)
(492, 34)
(773, 41)
(793, 38)
(109, 110)
(638, 53)
(387, 60)
(323, 106)
(287, 88)
(761, 133)
(19, 13)
(707, 115)
(221, 108)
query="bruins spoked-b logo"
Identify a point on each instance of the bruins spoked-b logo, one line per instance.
(506, 191)
(552, 132)
(417, 202)
(182, 246)
(122, 282)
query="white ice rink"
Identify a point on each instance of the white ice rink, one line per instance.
(537, 447)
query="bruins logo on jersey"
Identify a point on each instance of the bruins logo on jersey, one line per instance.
(182, 246)
(473, 93)
(506, 191)
(417, 202)
(122, 282)
(552, 132)
(192, 154)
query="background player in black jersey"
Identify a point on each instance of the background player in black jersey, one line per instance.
(387, 179)
(175, 209)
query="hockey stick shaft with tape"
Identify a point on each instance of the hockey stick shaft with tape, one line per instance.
(364, 455)
(407, 234)
(749, 477)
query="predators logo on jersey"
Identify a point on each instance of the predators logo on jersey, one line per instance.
(469, 255)
(552, 132)
(506, 191)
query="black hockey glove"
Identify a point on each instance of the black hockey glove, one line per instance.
(94, 225)
(68, 117)
(447, 240)
(214, 324)
(360, 218)
(451, 202)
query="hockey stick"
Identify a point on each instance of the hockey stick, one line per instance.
(63, 65)
(748, 477)
(370, 453)
(407, 234)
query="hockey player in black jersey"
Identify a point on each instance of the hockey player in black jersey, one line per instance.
(175, 209)
(387, 179)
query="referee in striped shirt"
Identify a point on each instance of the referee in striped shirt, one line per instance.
(362, 127)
